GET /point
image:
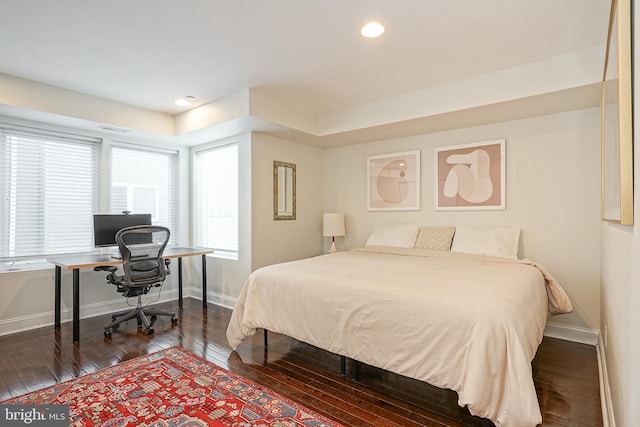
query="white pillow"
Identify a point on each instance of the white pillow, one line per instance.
(400, 235)
(493, 241)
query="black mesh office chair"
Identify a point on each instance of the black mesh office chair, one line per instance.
(144, 267)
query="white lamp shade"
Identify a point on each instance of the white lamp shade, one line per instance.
(333, 224)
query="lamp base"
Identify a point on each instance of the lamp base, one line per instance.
(333, 248)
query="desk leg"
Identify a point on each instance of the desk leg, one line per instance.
(58, 293)
(180, 282)
(76, 304)
(204, 282)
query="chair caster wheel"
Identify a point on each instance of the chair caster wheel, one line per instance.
(107, 333)
(113, 318)
(174, 320)
(150, 331)
(139, 322)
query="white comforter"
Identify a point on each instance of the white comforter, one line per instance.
(464, 322)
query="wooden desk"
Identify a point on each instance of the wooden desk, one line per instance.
(76, 262)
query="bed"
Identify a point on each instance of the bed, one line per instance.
(467, 322)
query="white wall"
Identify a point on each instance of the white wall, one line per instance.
(264, 241)
(620, 300)
(621, 294)
(553, 195)
(57, 103)
(285, 240)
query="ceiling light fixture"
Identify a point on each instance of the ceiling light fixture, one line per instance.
(184, 102)
(372, 30)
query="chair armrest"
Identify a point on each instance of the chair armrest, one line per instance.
(112, 277)
(109, 268)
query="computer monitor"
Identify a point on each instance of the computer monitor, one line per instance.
(105, 227)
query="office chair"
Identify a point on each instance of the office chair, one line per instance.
(144, 267)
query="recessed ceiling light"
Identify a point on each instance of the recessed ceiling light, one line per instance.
(184, 102)
(372, 30)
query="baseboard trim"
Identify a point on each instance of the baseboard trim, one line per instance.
(25, 323)
(571, 333)
(608, 419)
(214, 298)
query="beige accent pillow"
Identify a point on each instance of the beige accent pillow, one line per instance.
(435, 238)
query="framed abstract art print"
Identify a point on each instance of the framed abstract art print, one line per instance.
(470, 176)
(393, 181)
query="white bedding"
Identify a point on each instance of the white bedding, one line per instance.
(465, 322)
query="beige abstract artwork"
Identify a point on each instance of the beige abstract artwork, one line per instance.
(470, 176)
(394, 181)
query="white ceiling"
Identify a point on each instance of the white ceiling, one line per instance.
(306, 53)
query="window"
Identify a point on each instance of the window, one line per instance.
(216, 200)
(144, 180)
(48, 189)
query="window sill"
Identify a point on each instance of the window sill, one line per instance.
(24, 265)
(233, 256)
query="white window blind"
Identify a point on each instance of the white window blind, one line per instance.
(145, 180)
(216, 200)
(48, 188)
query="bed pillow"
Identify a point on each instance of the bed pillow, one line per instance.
(435, 238)
(400, 235)
(493, 241)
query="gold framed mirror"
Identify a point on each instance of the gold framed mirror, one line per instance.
(284, 191)
(617, 117)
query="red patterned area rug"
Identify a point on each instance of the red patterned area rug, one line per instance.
(172, 388)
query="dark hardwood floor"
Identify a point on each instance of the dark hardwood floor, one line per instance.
(565, 373)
